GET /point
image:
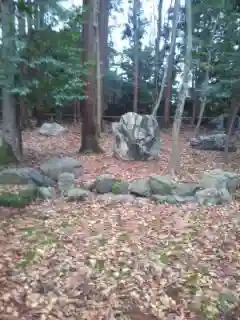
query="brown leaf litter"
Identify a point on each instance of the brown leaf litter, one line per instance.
(98, 260)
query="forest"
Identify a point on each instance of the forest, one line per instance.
(120, 159)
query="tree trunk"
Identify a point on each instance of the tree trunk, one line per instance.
(104, 11)
(168, 95)
(157, 43)
(206, 81)
(11, 132)
(235, 109)
(182, 94)
(89, 126)
(172, 50)
(29, 17)
(97, 14)
(136, 53)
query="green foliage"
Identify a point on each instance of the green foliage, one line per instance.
(50, 69)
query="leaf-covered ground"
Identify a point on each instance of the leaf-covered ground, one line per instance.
(99, 260)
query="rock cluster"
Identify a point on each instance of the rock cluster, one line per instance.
(56, 178)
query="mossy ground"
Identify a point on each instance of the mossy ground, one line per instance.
(6, 155)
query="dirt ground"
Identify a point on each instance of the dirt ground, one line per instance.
(99, 260)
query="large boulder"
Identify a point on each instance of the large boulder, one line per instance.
(55, 166)
(24, 176)
(52, 129)
(214, 142)
(213, 196)
(140, 187)
(136, 137)
(218, 178)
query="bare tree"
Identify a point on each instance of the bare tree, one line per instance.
(206, 80)
(157, 42)
(136, 9)
(104, 12)
(182, 93)
(172, 50)
(232, 117)
(168, 94)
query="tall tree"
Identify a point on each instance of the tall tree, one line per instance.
(169, 60)
(157, 43)
(182, 93)
(104, 12)
(11, 135)
(136, 15)
(89, 122)
(168, 93)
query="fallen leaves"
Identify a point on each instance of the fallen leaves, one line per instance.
(99, 260)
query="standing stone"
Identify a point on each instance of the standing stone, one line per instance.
(136, 137)
(52, 129)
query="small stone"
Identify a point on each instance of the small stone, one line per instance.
(46, 193)
(77, 194)
(52, 129)
(104, 183)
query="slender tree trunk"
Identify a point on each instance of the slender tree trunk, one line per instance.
(99, 73)
(235, 108)
(89, 125)
(29, 17)
(104, 11)
(182, 94)
(136, 54)
(206, 81)
(168, 95)
(172, 50)
(157, 43)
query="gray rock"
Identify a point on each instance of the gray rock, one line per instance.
(66, 181)
(52, 129)
(24, 176)
(46, 193)
(120, 187)
(123, 198)
(213, 196)
(172, 199)
(218, 178)
(140, 187)
(55, 166)
(214, 142)
(136, 137)
(185, 189)
(104, 183)
(161, 185)
(77, 194)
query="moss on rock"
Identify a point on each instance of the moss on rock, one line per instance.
(18, 198)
